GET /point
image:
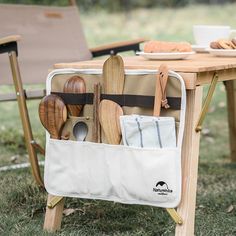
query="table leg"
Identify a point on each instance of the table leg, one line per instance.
(53, 217)
(231, 105)
(190, 153)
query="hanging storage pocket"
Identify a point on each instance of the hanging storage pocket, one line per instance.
(126, 174)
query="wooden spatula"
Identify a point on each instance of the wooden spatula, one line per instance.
(160, 92)
(113, 75)
(52, 114)
(75, 84)
(109, 114)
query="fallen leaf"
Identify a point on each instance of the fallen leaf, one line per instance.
(230, 209)
(83, 211)
(14, 158)
(69, 211)
(201, 206)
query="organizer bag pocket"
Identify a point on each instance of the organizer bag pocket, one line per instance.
(113, 172)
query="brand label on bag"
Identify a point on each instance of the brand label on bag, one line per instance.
(162, 188)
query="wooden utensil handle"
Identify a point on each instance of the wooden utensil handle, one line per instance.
(96, 124)
(160, 92)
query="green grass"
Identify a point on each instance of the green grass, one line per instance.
(22, 204)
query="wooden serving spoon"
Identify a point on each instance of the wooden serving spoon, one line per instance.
(75, 84)
(109, 114)
(113, 75)
(53, 114)
(160, 94)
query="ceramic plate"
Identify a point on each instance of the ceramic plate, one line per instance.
(222, 52)
(165, 55)
(198, 48)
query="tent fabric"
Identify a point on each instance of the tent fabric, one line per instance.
(49, 35)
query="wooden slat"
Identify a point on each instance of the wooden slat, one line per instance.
(30, 95)
(197, 70)
(231, 105)
(24, 115)
(9, 39)
(190, 153)
(224, 75)
(53, 217)
(117, 44)
(195, 64)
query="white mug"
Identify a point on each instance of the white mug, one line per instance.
(205, 34)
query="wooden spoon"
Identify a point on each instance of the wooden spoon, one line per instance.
(113, 75)
(161, 83)
(109, 117)
(75, 84)
(53, 114)
(109, 112)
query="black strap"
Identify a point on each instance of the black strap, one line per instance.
(121, 99)
(76, 98)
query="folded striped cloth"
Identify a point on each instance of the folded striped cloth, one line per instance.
(148, 131)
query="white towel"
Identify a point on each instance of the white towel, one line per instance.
(148, 131)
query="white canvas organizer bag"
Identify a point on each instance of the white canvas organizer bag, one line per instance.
(147, 176)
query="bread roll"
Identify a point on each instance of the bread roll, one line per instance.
(161, 46)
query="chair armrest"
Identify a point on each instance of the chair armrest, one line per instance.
(9, 43)
(10, 39)
(114, 48)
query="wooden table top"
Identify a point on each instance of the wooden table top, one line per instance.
(197, 69)
(195, 63)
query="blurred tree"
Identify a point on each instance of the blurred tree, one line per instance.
(117, 5)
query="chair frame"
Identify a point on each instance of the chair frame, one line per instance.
(9, 45)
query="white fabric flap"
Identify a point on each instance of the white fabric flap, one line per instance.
(148, 131)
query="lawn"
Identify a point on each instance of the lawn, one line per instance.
(23, 204)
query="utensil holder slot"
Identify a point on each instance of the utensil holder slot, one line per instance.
(114, 172)
(72, 121)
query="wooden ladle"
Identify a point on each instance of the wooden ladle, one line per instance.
(109, 114)
(53, 114)
(75, 84)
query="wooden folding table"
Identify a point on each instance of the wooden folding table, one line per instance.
(196, 71)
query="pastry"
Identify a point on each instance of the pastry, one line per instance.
(233, 41)
(225, 44)
(162, 46)
(215, 45)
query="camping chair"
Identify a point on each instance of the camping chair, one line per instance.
(50, 35)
